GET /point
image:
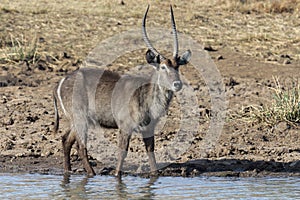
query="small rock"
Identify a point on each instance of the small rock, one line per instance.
(4, 99)
(272, 58)
(282, 126)
(32, 119)
(42, 39)
(220, 57)
(106, 171)
(285, 56)
(232, 82)
(41, 67)
(46, 154)
(80, 170)
(35, 162)
(22, 154)
(66, 55)
(43, 138)
(195, 172)
(287, 61)
(9, 122)
(183, 172)
(265, 138)
(8, 145)
(209, 48)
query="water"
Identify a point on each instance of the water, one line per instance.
(36, 186)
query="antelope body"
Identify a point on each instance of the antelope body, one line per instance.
(130, 103)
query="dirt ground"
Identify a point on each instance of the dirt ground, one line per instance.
(41, 41)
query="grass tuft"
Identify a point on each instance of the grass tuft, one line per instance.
(285, 107)
(15, 50)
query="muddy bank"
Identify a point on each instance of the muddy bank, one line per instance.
(29, 145)
(201, 167)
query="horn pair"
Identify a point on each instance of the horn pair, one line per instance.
(174, 32)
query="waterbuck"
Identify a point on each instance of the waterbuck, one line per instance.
(130, 103)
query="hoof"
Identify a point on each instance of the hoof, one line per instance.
(118, 174)
(154, 174)
(67, 172)
(91, 174)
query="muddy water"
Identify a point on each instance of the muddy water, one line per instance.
(36, 186)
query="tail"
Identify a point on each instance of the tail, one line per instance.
(56, 119)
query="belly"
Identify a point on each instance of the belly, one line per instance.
(103, 105)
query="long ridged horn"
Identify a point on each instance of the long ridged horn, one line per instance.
(146, 39)
(174, 32)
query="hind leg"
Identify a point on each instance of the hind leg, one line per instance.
(68, 140)
(84, 156)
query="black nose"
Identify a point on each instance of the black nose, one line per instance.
(177, 85)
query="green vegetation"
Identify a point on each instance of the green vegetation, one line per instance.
(285, 107)
(14, 50)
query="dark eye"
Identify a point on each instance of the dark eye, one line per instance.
(163, 67)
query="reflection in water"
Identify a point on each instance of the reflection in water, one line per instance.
(37, 186)
(121, 189)
(146, 190)
(74, 188)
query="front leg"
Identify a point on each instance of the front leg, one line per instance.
(123, 150)
(149, 144)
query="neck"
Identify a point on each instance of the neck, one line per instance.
(160, 98)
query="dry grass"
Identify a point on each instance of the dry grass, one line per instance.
(264, 35)
(18, 49)
(264, 6)
(285, 107)
(78, 27)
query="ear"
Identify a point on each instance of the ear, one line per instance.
(152, 59)
(185, 58)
